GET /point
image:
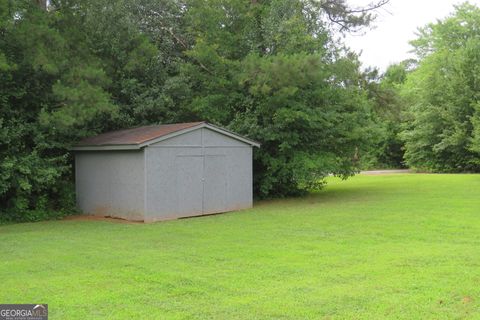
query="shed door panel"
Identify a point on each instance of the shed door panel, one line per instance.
(189, 185)
(215, 184)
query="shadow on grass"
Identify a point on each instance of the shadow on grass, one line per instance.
(331, 194)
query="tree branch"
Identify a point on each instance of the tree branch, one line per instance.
(183, 44)
(371, 7)
(338, 12)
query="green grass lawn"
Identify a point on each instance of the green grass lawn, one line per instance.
(374, 247)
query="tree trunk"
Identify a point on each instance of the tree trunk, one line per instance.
(41, 3)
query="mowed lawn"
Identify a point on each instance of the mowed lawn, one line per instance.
(400, 246)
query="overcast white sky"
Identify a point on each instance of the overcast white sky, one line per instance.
(395, 26)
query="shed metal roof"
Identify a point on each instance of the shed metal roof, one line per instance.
(136, 138)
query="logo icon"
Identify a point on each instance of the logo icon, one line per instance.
(23, 311)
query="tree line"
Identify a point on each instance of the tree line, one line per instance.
(274, 71)
(430, 105)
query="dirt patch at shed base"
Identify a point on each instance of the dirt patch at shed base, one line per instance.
(85, 217)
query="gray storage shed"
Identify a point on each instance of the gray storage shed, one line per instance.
(164, 172)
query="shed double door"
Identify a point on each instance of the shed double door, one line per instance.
(201, 184)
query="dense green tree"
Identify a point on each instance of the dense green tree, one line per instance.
(271, 70)
(384, 91)
(310, 121)
(267, 69)
(441, 133)
(67, 73)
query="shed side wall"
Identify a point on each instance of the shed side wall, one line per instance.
(111, 183)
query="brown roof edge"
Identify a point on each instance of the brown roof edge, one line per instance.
(136, 138)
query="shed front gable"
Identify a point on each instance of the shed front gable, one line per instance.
(201, 137)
